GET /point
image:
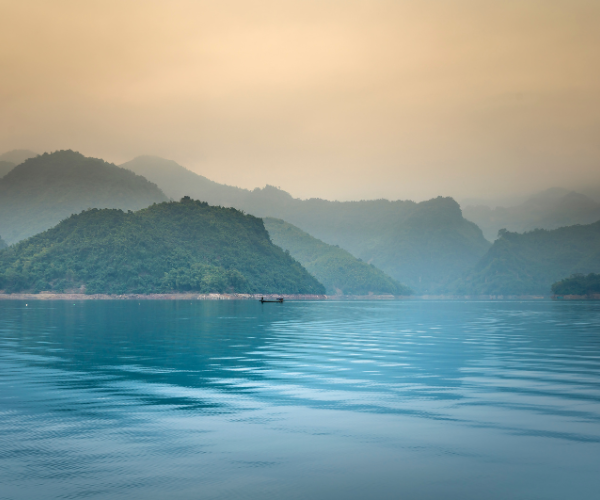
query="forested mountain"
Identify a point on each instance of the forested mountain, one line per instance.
(42, 191)
(578, 284)
(522, 264)
(549, 209)
(17, 156)
(425, 245)
(2, 244)
(337, 269)
(167, 247)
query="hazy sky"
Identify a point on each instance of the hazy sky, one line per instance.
(336, 99)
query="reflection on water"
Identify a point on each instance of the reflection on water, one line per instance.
(305, 400)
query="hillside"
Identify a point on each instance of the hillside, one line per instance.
(529, 263)
(42, 191)
(338, 270)
(173, 246)
(424, 245)
(549, 209)
(578, 284)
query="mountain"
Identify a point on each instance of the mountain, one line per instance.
(425, 245)
(177, 181)
(578, 284)
(2, 244)
(549, 209)
(42, 191)
(167, 247)
(6, 167)
(523, 264)
(17, 156)
(337, 269)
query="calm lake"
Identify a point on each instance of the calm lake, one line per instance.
(302, 400)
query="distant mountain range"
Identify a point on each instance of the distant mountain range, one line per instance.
(11, 159)
(42, 191)
(529, 263)
(549, 209)
(185, 246)
(351, 247)
(17, 156)
(425, 245)
(337, 269)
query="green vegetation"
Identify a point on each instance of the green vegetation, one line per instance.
(528, 264)
(578, 284)
(338, 270)
(425, 245)
(2, 244)
(42, 191)
(168, 247)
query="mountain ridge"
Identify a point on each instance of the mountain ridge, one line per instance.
(549, 209)
(339, 271)
(167, 247)
(402, 238)
(42, 191)
(528, 263)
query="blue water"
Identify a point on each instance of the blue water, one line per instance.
(302, 400)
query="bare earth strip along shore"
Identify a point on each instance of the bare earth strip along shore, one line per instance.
(242, 296)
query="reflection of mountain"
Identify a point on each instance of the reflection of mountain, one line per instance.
(224, 356)
(231, 355)
(529, 263)
(549, 209)
(424, 245)
(44, 190)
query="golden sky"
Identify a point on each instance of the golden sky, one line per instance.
(335, 99)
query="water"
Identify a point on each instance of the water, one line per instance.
(305, 400)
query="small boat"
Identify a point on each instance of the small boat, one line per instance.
(263, 300)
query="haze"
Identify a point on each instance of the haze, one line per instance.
(335, 99)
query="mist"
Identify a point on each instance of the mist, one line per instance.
(331, 99)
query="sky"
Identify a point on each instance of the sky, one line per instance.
(332, 99)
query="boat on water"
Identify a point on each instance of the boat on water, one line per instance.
(263, 300)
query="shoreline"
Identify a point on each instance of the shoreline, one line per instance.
(287, 297)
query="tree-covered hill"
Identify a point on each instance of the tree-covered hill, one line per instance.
(167, 247)
(529, 263)
(337, 269)
(578, 284)
(425, 245)
(42, 191)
